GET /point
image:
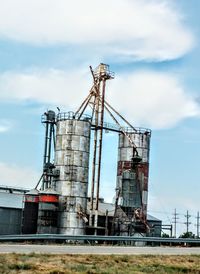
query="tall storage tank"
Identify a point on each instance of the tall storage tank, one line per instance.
(132, 180)
(30, 212)
(72, 159)
(48, 212)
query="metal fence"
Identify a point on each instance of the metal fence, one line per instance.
(97, 239)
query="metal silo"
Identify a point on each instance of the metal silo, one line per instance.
(132, 177)
(72, 159)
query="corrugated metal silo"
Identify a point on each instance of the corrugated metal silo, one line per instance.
(132, 180)
(72, 159)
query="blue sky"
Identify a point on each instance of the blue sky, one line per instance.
(46, 48)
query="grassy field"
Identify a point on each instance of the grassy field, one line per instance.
(54, 264)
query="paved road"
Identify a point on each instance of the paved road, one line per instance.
(68, 249)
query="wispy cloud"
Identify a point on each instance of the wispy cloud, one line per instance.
(51, 86)
(5, 125)
(14, 175)
(146, 98)
(126, 29)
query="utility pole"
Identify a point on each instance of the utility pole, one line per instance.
(198, 218)
(171, 227)
(187, 221)
(175, 214)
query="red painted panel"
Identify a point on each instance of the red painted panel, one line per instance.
(122, 166)
(143, 175)
(127, 165)
(46, 198)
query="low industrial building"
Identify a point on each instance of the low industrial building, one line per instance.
(12, 215)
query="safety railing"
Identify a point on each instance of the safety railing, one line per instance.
(49, 237)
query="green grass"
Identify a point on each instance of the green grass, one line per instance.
(98, 264)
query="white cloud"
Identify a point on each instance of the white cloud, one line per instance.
(52, 86)
(145, 98)
(153, 99)
(13, 175)
(5, 125)
(127, 29)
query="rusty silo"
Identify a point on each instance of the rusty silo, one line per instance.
(132, 175)
(72, 159)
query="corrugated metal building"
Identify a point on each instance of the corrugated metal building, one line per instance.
(11, 204)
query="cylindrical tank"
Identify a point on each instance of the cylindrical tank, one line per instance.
(30, 212)
(48, 212)
(72, 159)
(132, 180)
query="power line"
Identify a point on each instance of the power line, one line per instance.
(175, 218)
(187, 223)
(197, 225)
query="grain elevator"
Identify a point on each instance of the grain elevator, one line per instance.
(66, 199)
